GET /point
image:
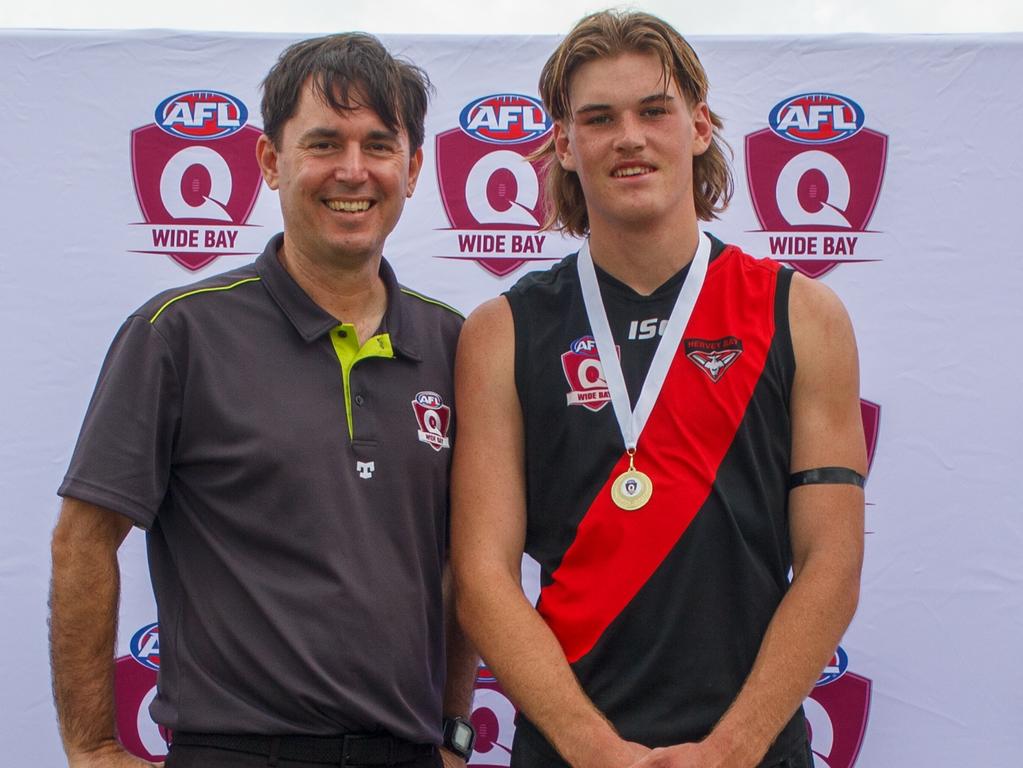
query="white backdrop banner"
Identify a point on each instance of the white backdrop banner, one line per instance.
(889, 167)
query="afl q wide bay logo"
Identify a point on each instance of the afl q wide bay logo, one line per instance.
(196, 179)
(433, 418)
(492, 195)
(814, 177)
(134, 690)
(585, 375)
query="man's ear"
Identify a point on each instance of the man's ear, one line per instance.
(266, 156)
(415, 165)
(563, 147)
(703, 128)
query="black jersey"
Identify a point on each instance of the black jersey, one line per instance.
(660, 610)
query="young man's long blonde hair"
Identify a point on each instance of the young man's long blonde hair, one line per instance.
(610, 33)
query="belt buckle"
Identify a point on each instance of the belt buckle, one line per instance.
(351, 739)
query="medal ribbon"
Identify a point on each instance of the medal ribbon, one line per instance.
(631, 422)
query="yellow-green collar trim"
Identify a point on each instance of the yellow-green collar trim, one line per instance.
(349, 352)
(202, 290)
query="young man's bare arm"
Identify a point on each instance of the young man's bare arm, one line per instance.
(84, 596)
(487, 539)
(826, 530)
(461, 666)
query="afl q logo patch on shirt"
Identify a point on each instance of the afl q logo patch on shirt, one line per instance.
(585, 375)
(434, 420)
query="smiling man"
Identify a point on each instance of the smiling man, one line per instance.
(282, 432)
(668, 426)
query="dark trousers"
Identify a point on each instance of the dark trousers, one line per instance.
(182, 756)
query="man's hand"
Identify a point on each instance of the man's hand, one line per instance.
(631, 753)
(450, 760)
(695, 755)
(110, 754)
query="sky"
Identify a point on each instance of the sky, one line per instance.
(724, 17)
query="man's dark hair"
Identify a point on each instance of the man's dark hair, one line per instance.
(347, 71)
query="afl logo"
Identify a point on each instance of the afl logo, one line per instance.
(835, 668)
(816, 118)
(584, 345)
(508, 118)
(203, 115)
(145, 646)
(429, 400)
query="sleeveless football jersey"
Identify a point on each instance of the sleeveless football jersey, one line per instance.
(661, 610)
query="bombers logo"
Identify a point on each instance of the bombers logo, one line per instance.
(585, 375)
(134, 690)
(815, 177)
(196, 179)
(493, 196)
(714, 357)
(836, 714)
(434, 420)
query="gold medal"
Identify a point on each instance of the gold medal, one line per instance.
(632, 488)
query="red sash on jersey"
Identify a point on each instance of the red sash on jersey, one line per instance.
(689, 431)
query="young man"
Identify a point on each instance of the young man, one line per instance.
(266, 428)
(667, 426)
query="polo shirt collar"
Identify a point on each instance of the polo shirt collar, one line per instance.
(311, 320)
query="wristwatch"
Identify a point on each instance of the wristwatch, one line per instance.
(459, 736)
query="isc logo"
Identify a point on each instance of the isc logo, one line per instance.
(202, 115)
(584, 345)
(145, 646)
(816, 118)
(505, 119)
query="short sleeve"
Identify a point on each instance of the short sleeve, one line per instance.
(123, 456)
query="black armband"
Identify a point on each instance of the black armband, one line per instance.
(826, 476)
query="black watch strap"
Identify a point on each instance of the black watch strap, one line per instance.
(459, 736)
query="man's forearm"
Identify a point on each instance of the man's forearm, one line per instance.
(520, 649)
(83, 623)
(462, 659)
(800, 639)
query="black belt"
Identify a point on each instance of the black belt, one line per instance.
(350, 749)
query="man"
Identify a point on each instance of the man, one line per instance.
(631, 419)
(282, 432)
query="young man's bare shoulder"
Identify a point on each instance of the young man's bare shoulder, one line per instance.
(816, 309)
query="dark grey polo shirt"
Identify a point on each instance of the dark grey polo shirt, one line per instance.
(295, 490)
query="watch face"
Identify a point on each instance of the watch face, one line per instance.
(462, 737)
(459, 737)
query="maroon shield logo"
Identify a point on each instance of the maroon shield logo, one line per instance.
(491, 188)
(830, 189)
(836, 715)
(585, 375)
(871, 413)
(194, 194)
(434, 420)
